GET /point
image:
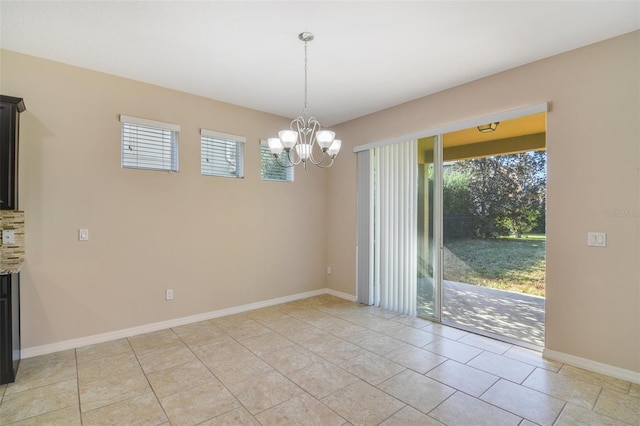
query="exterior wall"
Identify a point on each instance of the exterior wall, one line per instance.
(217, 242)
(593, 141)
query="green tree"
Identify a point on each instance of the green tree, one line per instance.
(507, 192)
(455, 192)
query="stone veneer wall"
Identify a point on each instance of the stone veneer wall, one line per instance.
(12, 255)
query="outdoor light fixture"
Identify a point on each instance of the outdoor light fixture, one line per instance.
(304, 133)
(485, 128)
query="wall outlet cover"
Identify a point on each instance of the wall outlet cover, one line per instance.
(8, 236)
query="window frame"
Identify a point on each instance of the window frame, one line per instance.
(138, 123)
(239, 142)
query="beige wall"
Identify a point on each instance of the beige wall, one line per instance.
(217, 242)
(593, 140)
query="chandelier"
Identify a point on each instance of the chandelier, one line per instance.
(304, 134)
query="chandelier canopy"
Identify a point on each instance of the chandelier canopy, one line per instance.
(304, 134)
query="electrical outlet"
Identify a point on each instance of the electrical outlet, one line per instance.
(168, 294)
(328, 270)
(8, 236)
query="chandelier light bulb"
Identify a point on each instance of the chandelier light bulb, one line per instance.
(275, 146)
(334, 149)
(288, 138)
(324, 138)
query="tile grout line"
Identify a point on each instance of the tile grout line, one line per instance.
(358, 378)
(564, 405)
(406, 404)
(75, 358)
(214, 375)
(135, 354)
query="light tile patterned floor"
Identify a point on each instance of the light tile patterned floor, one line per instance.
(318, 361)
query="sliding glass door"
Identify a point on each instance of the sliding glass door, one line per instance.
(424, 218)
(481, 239)
(429, 234)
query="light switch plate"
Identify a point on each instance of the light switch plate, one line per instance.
(83, 234)
(8, 236)
(596, 239)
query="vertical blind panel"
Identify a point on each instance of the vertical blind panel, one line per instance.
(149, 147)
(397, 232)
(220, 157)
(364, 250)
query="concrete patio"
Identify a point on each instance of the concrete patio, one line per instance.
(513, 315)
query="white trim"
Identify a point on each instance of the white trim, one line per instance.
(220, 135)
(162, 325)
(460, 125)
(341, 295)
(149, 123)
(595, 366)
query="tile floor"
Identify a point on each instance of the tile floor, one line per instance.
(318, 361)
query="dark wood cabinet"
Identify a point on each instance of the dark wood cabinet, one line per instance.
(9, 327)
(10, 109)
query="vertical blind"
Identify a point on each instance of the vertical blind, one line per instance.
(364, 237)
(148, 144)
(221, 154)
(396, 227)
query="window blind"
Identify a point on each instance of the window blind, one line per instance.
(395, 232)
(221, 154)
(270, 169)
(148, 144)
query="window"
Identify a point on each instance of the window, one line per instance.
(269, 167)
(148, 144)
(221, 154)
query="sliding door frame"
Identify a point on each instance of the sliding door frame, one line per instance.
(364, 258)
(438, 216)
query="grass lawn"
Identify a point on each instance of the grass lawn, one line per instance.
(513, 264)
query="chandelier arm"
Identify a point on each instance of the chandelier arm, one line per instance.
(317, 162)
(280, 162)
(287, 162)
(326, 166)
(321, 163)
(293, 158)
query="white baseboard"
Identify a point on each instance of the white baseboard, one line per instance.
(597, 367)
(341, 295)
(147, 328)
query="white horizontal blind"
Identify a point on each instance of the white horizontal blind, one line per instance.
(148, 144)
(270, 169)
(221, 154)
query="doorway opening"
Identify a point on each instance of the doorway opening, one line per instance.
(481, 224)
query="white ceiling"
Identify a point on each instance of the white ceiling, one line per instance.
(367, 55)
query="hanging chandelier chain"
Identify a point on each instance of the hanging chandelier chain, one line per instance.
(305, 111)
